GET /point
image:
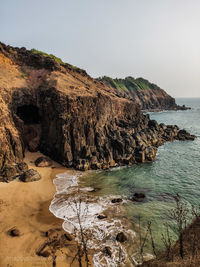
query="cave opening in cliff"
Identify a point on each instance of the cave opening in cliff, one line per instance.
(30, 129)
(29, 114)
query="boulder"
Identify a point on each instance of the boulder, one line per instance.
(50, 232)
(22, 166)
(121, 237)
(67, 237)
(30, 176)
(11, 172)
(43, 162)
(14, 232)
(44, 254)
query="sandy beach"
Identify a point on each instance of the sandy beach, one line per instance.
(25, 206)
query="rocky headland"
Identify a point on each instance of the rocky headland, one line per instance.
(147, 95)
(53, 107)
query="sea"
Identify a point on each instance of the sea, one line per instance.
(176, 170)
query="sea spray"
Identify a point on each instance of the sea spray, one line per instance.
(79, 210)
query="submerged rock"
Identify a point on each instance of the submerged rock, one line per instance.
(30, 176)
(138, 197)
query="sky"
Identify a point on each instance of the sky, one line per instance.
(158, 40)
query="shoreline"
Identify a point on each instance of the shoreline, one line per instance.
(101, 221)
(25, 206)
(165, 110)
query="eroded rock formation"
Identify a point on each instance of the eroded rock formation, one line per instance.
(70, 117)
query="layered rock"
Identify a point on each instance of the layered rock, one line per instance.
(148, 95)
(70, 117)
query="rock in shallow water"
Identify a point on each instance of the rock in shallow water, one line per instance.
(101, 216)
(30, 176)
(138, 197)
(183, 135)
(107, 251)
(116, 200)
(121, 237)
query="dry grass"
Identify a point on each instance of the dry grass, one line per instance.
(191, 245)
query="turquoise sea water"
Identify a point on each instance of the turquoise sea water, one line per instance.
(175, 170)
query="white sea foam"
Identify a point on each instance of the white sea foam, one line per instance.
(79, 209)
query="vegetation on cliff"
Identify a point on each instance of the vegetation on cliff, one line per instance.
(129, 83)
(148, 95)
(57, 59)
(47, 55)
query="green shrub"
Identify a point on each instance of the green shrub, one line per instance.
(129, 83)
(47, 55)
(59, 60)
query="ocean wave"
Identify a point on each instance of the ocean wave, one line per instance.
(80, 211)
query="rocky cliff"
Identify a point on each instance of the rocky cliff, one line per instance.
(74, 119)
(148, 95)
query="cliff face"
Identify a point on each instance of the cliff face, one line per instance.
(58, 109)
(148, 95)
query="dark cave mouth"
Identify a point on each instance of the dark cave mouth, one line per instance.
(29, 114)
(30, 130)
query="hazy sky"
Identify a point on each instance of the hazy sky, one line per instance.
(155, 39)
